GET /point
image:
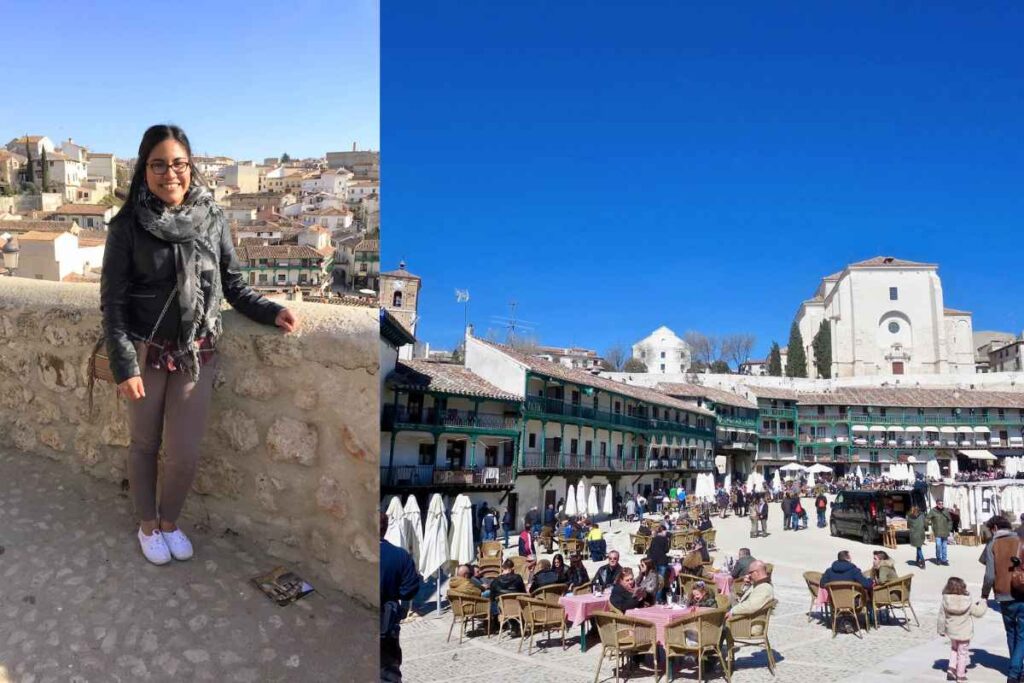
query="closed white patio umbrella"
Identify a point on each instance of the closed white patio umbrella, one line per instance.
(461, 547)
(413, 527)
(810, 479)
(954, 467)
(860, 472)
(581, 498)
(609, 501)
(570, 501)
(592, 507)
(932, 469)
(434, 550)
(395, 535)
(777, 481)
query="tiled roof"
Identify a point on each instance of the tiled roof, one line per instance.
(449, 378)
(92, 238)
(280, 251)
(345, 300)
(40, 236)
(81, 210)
(722, 396)
(99, 154)
(890, 262)
(29, 138)
(368, 245)
(915, 398)
(329, 211)
(559, 371)
(38, 226)
(954, 311)
(777, 393)
(401, 272)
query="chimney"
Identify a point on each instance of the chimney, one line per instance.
(353, 146)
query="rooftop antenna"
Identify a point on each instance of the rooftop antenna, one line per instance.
(512, 324)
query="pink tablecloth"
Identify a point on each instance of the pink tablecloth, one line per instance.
(724, 582)
(579, 608)
(661, 615)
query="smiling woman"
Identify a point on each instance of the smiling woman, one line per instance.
(169, 262)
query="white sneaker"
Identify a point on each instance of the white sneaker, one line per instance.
(154, 548)
(178, 544)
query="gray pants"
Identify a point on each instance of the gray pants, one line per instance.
(753, 525)
(174, 413)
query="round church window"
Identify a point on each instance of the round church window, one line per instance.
(894, 327)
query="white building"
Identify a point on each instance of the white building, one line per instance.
(357, 190)
(663, 352)
(48, 255)
(244, 215)
(888, 317)
(334, 218)
(102, 167)
(570, 357)
(245, 177)
(36, 143)
(66, 173)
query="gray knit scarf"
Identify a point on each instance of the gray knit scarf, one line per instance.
(193, 230)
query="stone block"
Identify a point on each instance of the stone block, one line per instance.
(49, 436)
(331, 497)
(56, 373)
(290, 440)
(306, 398)
(278, 350)
(23, 435)
(256, 384)
(239, 429)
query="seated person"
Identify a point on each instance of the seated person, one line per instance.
(644, 530)
(625, 595)
(577, 574)
(568, 530)
(650, 582)
(700, 596)
(558, 566)
(506, 582)
(598, 548)
(844, 570)
(705, 523)
(608, 574)
(743, 562)
(701, 546)
(595, 533)
(883, 569)
(465, 582)
(545, 576)
(758, 595)
(531, 568)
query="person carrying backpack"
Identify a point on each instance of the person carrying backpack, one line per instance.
(820, 504)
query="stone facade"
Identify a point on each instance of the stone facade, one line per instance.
(291, 449)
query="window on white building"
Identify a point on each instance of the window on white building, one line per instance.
(663, 367)
(662, 354)
(894, 294)
(894, 327)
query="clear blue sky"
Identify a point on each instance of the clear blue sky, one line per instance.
(247, 80)
(701, 165)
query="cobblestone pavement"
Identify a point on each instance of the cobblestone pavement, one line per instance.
(804, 651)
(79, 603)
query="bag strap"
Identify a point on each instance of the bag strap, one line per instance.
(163, 312)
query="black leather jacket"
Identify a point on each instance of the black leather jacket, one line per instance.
(138, 276)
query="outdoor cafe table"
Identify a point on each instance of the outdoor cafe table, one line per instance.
(579, 609)
(661, 615)
(723, 581)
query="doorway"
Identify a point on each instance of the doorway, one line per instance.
(897, 367)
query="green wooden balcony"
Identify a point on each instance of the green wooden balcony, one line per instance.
(555, 409)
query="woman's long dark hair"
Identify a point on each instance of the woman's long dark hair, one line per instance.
(153, 136)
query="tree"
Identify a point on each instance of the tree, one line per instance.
(30, 176)
(822, 346)
(796, 358)
(524, 344)
(459, 354)
(44, 171)
(775, 360)
(736, 348)
(720, 367)
(704, 349)
(285, 158)
(615, 357)
(634, 365)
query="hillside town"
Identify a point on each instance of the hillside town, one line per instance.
(302, 227)
(903, 379)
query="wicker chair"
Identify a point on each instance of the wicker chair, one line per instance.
(540, 615)
(813, 581)
(546, 539)
(640, 543)
(488, 571)
(769, 568)
(696, 635)
(467, 608)
(687, 581)
(491, 549)
(848, 597)
(679, 541)
(510, 611)
(521, 568)
(582, 589)
(709, 537)
(572, 545)
(750, 629)
(723, 601)
(550, 593)
(892, 594)
(623, 636)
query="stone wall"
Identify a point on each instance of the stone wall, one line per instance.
(291, 449)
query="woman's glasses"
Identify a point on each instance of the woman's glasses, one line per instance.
(160, 167)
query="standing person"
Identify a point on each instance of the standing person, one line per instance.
(630, 509)
(787, 512)
(986, 535)
(506, 524)
(168, 265)
(998, 564)
(755, 517)
(942, 525)
(490, 525)
(917, 522)
(549, 516)
(525, 543)
(798, 514)
(657, 553)
(399, 581)
(820, 505)
(741, 503)
(762, 514)
(956, 620)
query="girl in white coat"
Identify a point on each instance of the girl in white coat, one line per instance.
(956, 620)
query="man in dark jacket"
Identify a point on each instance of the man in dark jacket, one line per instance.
(399, 581)
(624, 593)
(998, 563)
(506, 524)
(608, 574)
(844, 570)
(743, 562)
(549, 516)
(545, 575)
(942, 526)
(787, 512)
(821, 504)
(532, 519)
(762, 513)
(658, 554)
(506, 582)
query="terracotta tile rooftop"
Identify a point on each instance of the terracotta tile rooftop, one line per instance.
(890, 262)
(81, 210)
(583, 378)
(402, 273)
(277, 251)
(777, 393)
(20, 226)
(954, 311)
(448, 378)
(34, 236)
(685, 391)
(368, 245)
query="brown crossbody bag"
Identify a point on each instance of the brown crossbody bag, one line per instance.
(99, 361)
